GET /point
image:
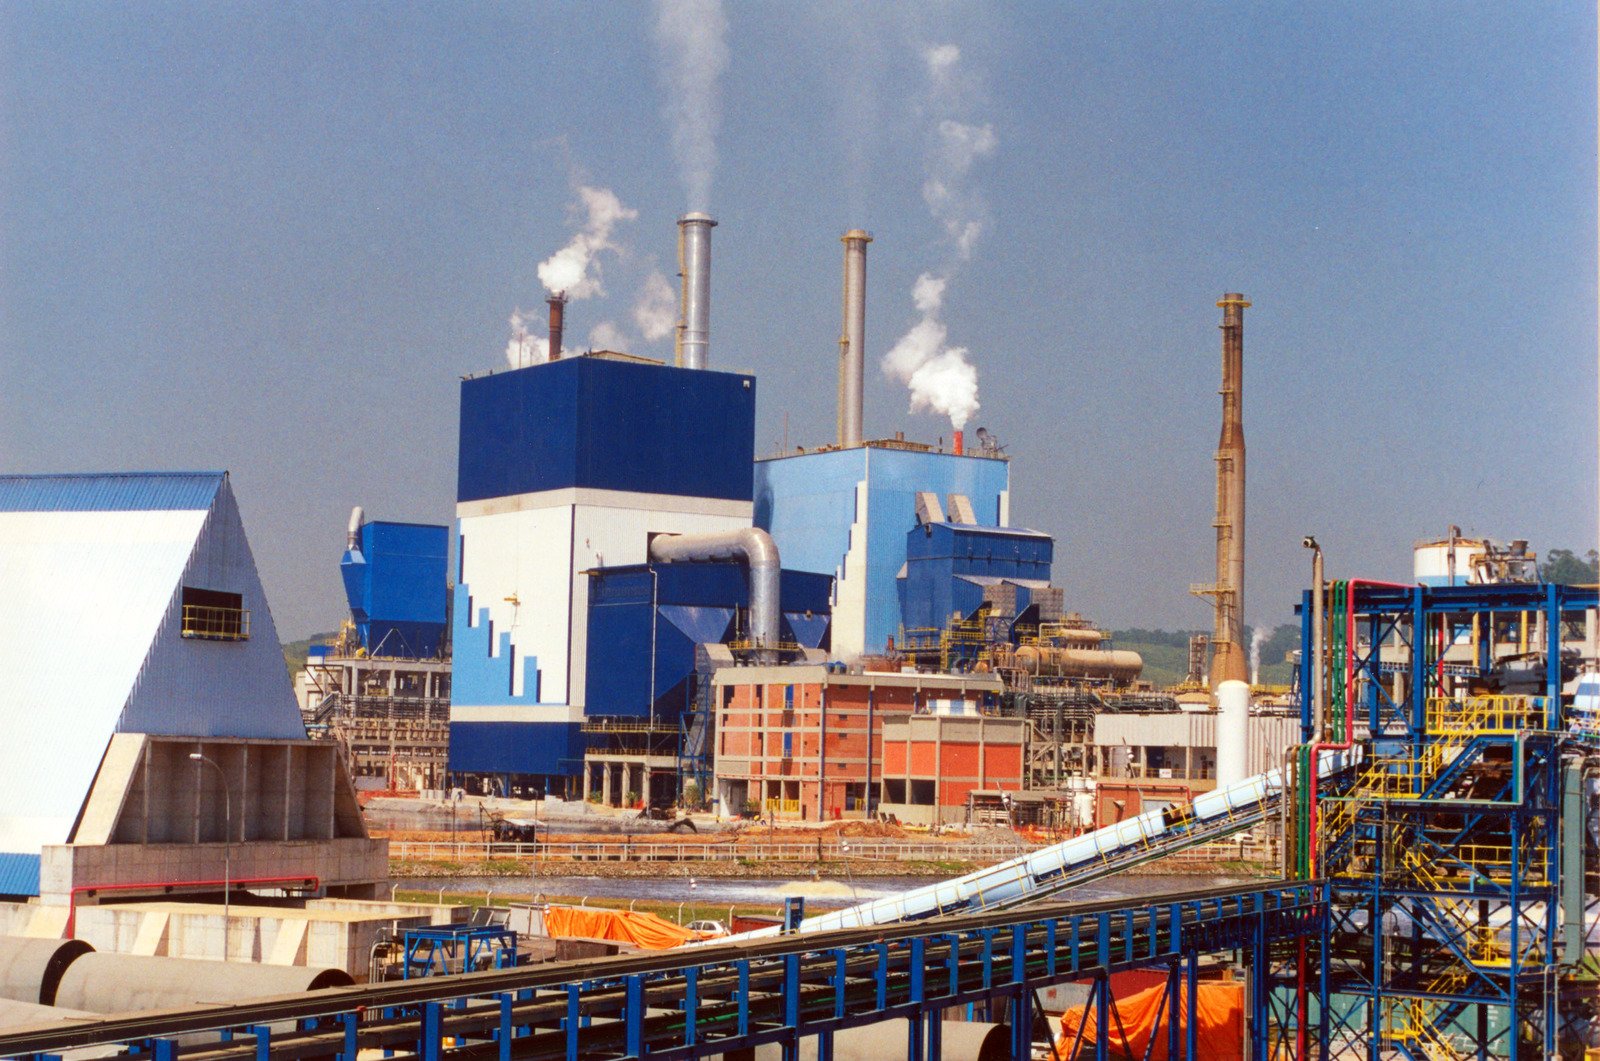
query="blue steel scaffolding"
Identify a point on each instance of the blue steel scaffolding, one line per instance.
(1453, 916)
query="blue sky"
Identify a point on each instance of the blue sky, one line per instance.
(271, 238)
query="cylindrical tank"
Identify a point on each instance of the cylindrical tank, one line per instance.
(694, 261)
(119, 983)
(1233, 732)
(1044, 661)
(1445, 562)
(30, 969)
(1078, 636)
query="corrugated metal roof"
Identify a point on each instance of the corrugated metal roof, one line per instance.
(19, 874)
(109, 492)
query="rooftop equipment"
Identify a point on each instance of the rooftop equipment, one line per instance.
(852, 343)
(694, 266)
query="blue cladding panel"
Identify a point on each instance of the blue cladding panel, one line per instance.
(516, 748)
(478, 679)
(19, 874)
(396, 586)
(938, 555)
(114, 492)
(695, 604)
(611, 425)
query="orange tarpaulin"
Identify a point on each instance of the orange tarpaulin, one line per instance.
(626, 926)
(1220, 1030)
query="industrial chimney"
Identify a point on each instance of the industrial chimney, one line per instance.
(1228, 660)
(852, 348)
(558, 305)
(694, 266)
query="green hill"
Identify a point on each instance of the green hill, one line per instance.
(1166, 652)
(295, 652)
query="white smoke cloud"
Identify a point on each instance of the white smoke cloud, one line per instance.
(656, 311)
(608, 336)
(1258, 637)
(940, 377)
(524, 348)
(575, 268)
(692, 38)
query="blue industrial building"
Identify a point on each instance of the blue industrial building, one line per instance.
(396, 580)
(566, 468)
(952, 569)
(645, 621)
(846, 513)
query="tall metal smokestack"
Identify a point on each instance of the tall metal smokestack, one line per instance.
(1229, 661)
(694, 266)
(558, 306)
(852, 344)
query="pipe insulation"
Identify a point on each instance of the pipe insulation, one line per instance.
(124, 983)
(852, 345)
(759, 553)
(694, 265)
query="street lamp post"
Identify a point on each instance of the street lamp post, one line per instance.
(227, 847)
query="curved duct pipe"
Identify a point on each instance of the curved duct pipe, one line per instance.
(760, 555)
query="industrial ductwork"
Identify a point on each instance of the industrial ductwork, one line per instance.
(694, 266)
(852, 350)
(760, 555)
(353, 538)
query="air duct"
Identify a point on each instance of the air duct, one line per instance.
(558, 307)
(760, 555)
(852, 343)
(694, 266)
(353, 538)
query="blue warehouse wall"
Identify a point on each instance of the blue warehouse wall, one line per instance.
(516, 747)
(695, 603)
(610, 425)
(396, 583)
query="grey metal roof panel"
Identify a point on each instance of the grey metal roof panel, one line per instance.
(109, 492)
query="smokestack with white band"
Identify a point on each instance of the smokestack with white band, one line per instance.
(694, 266)
(852, 344)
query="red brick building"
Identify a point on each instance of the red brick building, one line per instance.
(806, 742)
(932, 763)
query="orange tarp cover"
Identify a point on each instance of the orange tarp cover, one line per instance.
(626, 926)
(1220, 1031)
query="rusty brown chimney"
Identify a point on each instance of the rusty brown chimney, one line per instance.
(558, 306)
(1229, 662)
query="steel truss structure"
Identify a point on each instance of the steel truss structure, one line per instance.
(714, 999)
(1443, 847)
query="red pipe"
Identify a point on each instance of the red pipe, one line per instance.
(961, 443)
(304, 880)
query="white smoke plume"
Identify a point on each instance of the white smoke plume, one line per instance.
(575, 268)
(656, 311)
(524, 348)
(940, 377)
(607, 336)
(692, 36)
(1258, 637)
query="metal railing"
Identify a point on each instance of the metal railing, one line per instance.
(669, 851)
(209, 623)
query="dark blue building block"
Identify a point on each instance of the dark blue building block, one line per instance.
(695, 604)
(950, 567)
(397, 586)
(550, 748)
(609, 425)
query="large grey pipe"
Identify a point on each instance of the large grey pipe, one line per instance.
(694, 265)
(118, 983)
(852, 345)
(760, 555)
(31, 969)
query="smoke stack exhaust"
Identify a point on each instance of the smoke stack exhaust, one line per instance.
(558, 306)
(960, 446)
(852, 343)
(1229, 661)
(694, 266)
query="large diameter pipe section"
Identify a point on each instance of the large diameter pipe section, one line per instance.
(1045, 662)
(121, 983)
(694, 266)
(1233, 732)
(31, 969)
(757, 550)
(852, 345)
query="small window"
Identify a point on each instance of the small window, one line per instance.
(212, 615)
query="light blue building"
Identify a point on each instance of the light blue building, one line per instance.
(845, 512)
